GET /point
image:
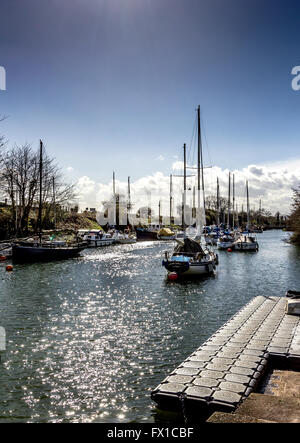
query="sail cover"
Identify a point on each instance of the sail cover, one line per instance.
(189, 246)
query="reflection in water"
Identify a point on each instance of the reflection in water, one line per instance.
(89, 338)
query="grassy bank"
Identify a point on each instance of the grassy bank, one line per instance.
(69, 221)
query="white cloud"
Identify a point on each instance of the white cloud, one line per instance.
(272, 184)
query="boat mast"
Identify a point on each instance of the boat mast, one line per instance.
(198, 222)
(194, 203)
(129, 201)
(159, 216)
(184, 187)
(171, 190)
(233, 203)
(41, 191)
(228, 214)
(218, 202)
(248, 210)
(116, 201)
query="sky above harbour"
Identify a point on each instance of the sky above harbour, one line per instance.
(114, 85)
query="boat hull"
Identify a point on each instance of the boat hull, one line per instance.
(29, 254)
(126, 241)
(146, 235)
(245, 246)
(190, 269)
(97, 243)
(224, 245)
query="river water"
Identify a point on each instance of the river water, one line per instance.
(89, 338)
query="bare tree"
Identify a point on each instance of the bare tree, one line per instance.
(3, 141)
(20, 182)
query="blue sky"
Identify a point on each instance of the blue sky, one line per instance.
(114, 84)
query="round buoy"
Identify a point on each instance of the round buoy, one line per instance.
(9, 268)
(229, 250)
(173, 276)
(2, 257)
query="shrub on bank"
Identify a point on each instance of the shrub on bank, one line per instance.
(294, 219)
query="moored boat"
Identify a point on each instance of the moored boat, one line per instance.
(40, 249)
(124, 238)
(166, 234)
(189, 259)
(34, 251)
(147, 233)
(245, 242)
(97, 237)
(225, 241)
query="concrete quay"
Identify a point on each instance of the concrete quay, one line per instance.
(277, 402)
(227, 368)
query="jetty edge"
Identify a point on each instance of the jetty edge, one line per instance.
(229, 366)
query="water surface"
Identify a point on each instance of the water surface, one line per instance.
(89, 338)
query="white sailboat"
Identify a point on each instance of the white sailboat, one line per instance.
(189, 258)
(225, 241)
(246, 241)
(124, 238)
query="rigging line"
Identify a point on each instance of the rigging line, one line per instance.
(207, 150)
(192, 143)
(204, 133)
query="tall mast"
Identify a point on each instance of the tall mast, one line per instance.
(171, 191)
(194, 203)
(116, 201)
(184, 187)
(233, 203)
(159, 210)
(218, 202)
(202, 172)
(248, 209)
(198, 171)
(41, 191)
(228, 214)
(114, 184)
(129, 202)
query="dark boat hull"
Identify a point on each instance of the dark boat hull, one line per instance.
(30, 254)
(144, 235)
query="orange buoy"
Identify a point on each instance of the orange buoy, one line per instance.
(229, 250)
(2, 257)
(9, 268)
(173, 276)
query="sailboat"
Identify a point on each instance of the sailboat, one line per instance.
(38, 250)
(189, 258)
(226, 240)
(246, 241)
